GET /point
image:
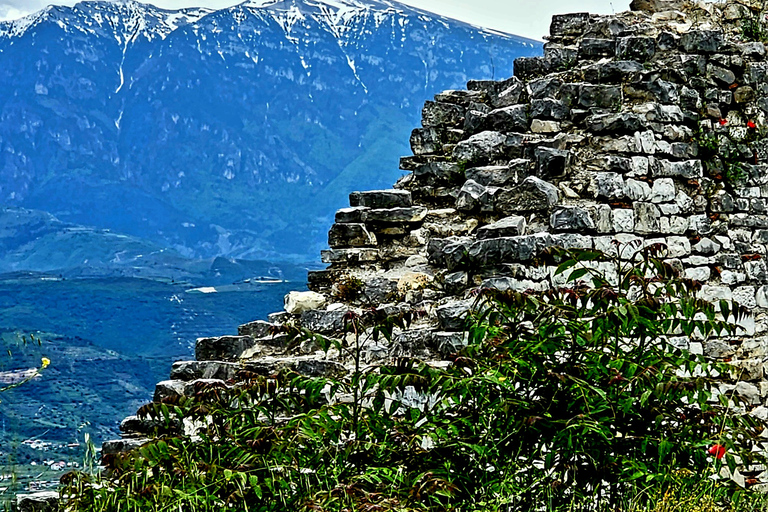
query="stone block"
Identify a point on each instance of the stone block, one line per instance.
(702, 41)
(508, 226)
(635, 48)
(381, 199)
(350, 235)
(500, 175)
(349, 256)
(350, 215)
(436, 114)
(223, 348)
(530, 67)
(410, 215)
(257, 329)
(297, 303)
(549, 108)
(600, 96)
(192, 370)
(453, 316)
(573, 24)
(595, 48)
(647, 216)
(481, 148)
(531, 195)
(571, 218)
(44, 501)
(607, 185)
(623, 220)
(663, 190)
(509, 119)
(323, 322)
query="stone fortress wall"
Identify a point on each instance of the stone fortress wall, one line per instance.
(649, 125)
(602, 139)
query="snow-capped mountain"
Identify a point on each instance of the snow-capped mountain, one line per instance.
(222, 132)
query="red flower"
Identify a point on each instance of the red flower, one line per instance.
(751, 125)
(717, 450)
(723, 122)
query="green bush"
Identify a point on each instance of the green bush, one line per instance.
(569, 399)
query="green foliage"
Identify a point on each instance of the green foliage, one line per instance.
(752, 29)
(569, 399)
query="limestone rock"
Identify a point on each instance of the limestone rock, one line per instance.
(297, 303)
(46, 501)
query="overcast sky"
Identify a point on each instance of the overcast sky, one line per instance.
(529, 18)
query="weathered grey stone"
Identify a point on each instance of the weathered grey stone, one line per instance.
(620, 123)
(193, 370)
(257, 329)
(349, 256)
(223, 348)
(380, 290)
(706, 246)
(453, 316)
(430, 173)
(571, 218)
(623, 220)
(169, 388)
(602, 96)
(509, 119)
(297, 303)
(411, 215)
(636, 48)
(456, 281)
(637, 190)
(744, 94)
(481, 148)
(449, 342)
(549, 108)
(722, 75)
(686, 169)
(531, 195)
(530, 67)
(121, 445)
(350, 235)
(323, 322)
(494, 251)
(352, 214)
(500, 175)
(608, 185)
(647, 217)
(593, 48)
(508, 226)
(574, 24)
(663, 190)
(44, 501)
(702, 41)
(463, 98)
(474, 196)
(381, 199)
(436, 114)
(512, 94)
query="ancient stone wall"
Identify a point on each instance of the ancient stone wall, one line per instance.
(637, 128)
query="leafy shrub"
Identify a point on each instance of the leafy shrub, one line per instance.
(565, 399)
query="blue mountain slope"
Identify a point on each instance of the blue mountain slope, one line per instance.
(235, 132)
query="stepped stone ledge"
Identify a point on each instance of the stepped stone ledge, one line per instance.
(597, 141)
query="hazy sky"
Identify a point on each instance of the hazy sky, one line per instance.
(528, 18)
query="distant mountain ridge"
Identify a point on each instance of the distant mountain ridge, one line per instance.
(222, 133)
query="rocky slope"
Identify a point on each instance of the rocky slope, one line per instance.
(221, 132)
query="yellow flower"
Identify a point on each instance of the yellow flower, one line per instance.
(46, 362)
